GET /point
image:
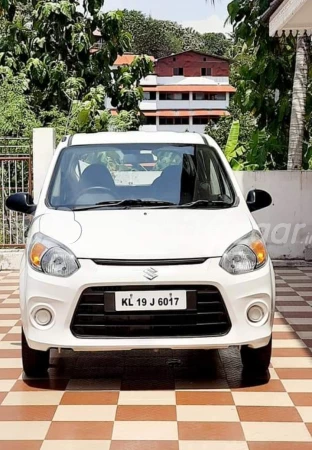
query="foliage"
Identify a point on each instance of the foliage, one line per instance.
(246, 145)
(216, 44)
(163, 37)
(17, 119)
(49, 46)
(263, 73)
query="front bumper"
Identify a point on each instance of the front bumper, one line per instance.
(62, 296)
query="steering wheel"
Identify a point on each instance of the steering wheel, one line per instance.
(95, 190)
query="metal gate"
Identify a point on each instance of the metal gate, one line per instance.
(15, 176)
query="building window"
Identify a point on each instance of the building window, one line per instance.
(178, 71)
(174, 121)
(206, 72)
(206, 96)
(150, 120)
(174, 96)
(174, 59)
(204, 120)
(200, 120)
(205, 59)
(149, 95)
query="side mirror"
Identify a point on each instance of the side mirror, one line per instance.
(258, 199)
(21, 202)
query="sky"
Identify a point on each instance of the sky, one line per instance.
(199, 14)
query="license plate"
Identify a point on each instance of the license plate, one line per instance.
(150, 301)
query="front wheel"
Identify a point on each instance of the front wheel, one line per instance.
(35, 362)
(256, 359)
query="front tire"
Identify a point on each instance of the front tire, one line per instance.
(257, 360)
(35, 362)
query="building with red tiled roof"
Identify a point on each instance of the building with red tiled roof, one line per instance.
(186, 91)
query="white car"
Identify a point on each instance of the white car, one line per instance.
(144, 241)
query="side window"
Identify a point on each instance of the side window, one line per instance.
(214, 180)
(219, 186)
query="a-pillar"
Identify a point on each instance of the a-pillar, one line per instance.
(43, 150)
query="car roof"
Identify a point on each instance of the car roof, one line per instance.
(137, 137)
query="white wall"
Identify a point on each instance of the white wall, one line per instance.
(287, 223)
(194, 81)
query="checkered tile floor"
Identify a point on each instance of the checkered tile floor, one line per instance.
(162, 400)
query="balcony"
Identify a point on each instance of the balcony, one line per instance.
(196, 81)
(148, 105)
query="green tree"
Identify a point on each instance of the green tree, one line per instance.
(152, 37)
(216, 44)
(17, 119)
(51, 47)
(162, 37)
(265, 79)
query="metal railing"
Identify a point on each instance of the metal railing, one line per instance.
(15, 176)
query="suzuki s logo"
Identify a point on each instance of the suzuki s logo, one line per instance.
(150, 274)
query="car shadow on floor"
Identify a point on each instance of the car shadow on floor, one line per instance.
(148, 370)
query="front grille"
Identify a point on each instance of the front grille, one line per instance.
(95, 315)
(150, 262)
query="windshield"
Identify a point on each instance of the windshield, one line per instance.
(139, 175)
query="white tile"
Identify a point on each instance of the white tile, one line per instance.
(10, 363)
(145, 431)
(16, 330)
(8, 323)
(77, 445)
(295, 277)
(211, 413)
(3, 287)
(289, 271)
(147, 398)
(289, 298)
(282, 328)
(279, 362)
(276, 431)
(33, 398)
(10, 345)
(4, 311)
(273, 374)
(212, 445)
(305, 413)
(278, 315)
(297, 385)
(262, 399)
(299, 320)
(10, 301)
(284, 289)
(300, 285)
(17, 431)
(294, 308)
(305, 334)
(288, 343)
(6, 385)
(94, 413)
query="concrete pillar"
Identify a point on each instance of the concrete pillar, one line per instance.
(227, 99)
(43, 149)
(191, 124)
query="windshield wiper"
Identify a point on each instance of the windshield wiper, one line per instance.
(125, 203)
(207, 204)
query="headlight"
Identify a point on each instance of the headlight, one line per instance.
(51, 257)
(245, 255)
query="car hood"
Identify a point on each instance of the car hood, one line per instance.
(147, 234)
